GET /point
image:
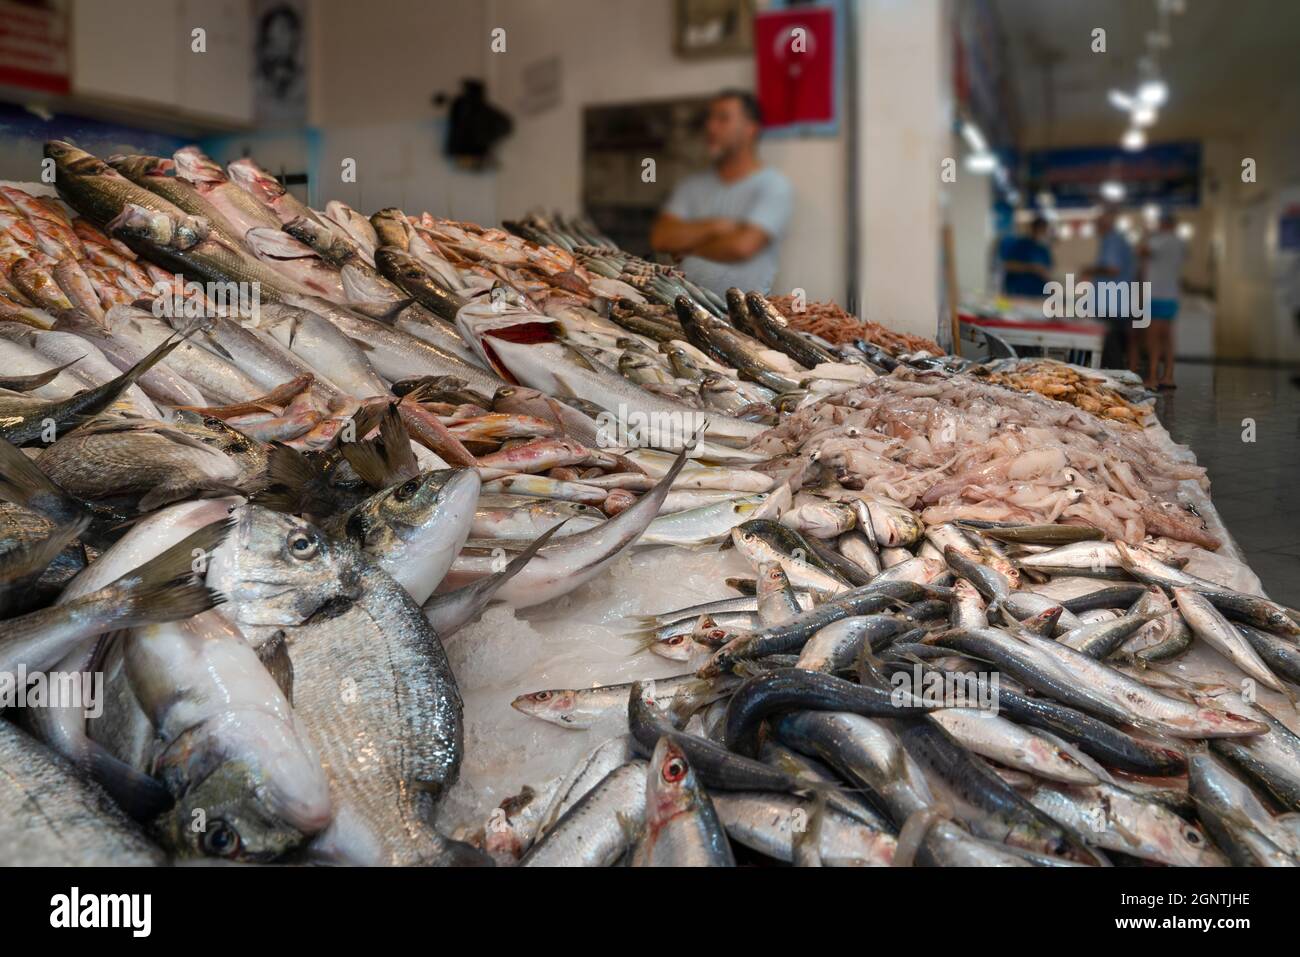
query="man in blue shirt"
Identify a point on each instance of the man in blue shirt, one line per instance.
(1116, 262)
(726, 224)
(1026, 262)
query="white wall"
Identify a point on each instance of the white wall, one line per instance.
(138, 54)
(1255, 321)
(906, 97)
(969, 209)
(377, 66)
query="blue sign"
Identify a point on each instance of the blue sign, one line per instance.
(1168, 174)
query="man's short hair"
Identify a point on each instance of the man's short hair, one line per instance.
(1037, 223)
(748, 102)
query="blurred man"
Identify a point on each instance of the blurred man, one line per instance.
(1026, 261)
(726, 225)
(1115, 263)
(1163, 256)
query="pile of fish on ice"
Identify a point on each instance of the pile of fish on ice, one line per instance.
(948, 604)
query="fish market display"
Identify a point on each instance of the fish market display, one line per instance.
(336, 539)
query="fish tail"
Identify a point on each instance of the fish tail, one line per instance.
(18, 563)
(387, 460)
(389, 316)
(291, 484)
(645, 639)
(22, 483)
(167, 587)
(646, 619)
(485, 588)
(26, 383)
(20, 567)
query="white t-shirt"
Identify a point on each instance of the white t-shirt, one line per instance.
(764, 199)
(1166, 254)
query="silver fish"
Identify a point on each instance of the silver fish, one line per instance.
(1241, 824)
(229, 747)
(681, 827)
(49, 815)
(601, 827)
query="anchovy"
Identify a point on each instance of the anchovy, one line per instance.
(601, 827)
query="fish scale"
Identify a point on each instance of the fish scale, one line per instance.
(50, 816)
(373, 689)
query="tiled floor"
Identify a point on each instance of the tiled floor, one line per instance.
(1255, 485)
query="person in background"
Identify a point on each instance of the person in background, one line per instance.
(1026, 262)
(1163, 256)
(726, 225)
(1115, 263)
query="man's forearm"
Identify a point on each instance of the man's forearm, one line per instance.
(736, 245)
(678, 237)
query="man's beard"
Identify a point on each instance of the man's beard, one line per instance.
(724, 153)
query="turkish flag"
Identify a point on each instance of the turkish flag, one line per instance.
(794, 52)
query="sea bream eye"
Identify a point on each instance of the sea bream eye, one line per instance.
(302, 544)
(407, 489)
(221, 840)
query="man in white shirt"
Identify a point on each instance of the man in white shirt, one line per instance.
(726, 224)
(1163, 256)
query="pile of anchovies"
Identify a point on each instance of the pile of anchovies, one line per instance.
(840, 718)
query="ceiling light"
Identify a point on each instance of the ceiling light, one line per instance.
(981, 163)
(1121, 100)
(1111, 191)
(1185, 231)
(974, 138)
(1133, 140)
(1144, 115)
(1153, 93)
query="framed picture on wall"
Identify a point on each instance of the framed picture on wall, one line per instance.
(713, 28)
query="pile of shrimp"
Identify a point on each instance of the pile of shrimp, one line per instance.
(1057, 380)
(830, 322)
